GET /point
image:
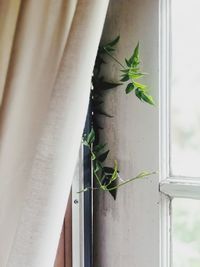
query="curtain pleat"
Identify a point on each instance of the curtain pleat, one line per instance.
(41, 122)
(9, 11)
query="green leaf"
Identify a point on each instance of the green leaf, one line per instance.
(144, 96)
(113, 192)
(130, 87)
(90, 137)
(99, 147)
(134, 75)
(113, 182)
(147, 98)
(108, 170)
(97, 166)
(139, 85)
(115, 173)
(125, 71)
(109, 85)
(127, 62)
(103, 156)
(125, 78)
(101, 112)
(114, 42)
(134, 59)
(93, 156)
(105, 180)
(138, 93)
(98, 63)
(109, 46)
(97, 102)
(85, 143)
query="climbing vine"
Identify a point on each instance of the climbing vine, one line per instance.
(107, 177)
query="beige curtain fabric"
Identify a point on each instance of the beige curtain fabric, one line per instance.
(50, 55)
(9, 11)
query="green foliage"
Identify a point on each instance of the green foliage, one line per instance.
(130, 87)
(90, 138)
(109, 47)
(132, 73)
(108, 177)
(104, 175)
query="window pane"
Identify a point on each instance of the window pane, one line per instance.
(186, 233)
(185, 88)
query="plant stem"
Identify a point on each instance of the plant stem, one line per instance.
(115, 59)
(88, 188)
(128, 181)
(117, 186)
(98, 180)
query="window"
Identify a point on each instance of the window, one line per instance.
(146, 226)
(180, 131)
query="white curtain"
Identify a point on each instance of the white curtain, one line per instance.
(47, 53)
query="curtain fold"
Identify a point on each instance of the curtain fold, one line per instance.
(42, 117)
(7, 31)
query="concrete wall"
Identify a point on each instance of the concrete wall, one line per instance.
(126, 230)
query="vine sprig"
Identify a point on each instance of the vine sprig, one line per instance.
(106, 176)
(131, 72)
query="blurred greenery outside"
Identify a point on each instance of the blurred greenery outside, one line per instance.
(186, 232)
(185, 127)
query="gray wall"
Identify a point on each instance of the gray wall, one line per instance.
(126, 230)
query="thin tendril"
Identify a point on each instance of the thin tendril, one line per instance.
(115, 59)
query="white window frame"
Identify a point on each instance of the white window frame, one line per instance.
(173, 186)
(81, 244)
(78, 215)
(170, 186)
(164, 78)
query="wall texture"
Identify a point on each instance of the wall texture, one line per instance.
(126, 230)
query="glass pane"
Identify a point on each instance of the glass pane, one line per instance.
(186, 233)
(185, 88)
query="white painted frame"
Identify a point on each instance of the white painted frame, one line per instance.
(164, 82)
(185, 187)
(170, 187)
(181, 187)
(78, 215)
